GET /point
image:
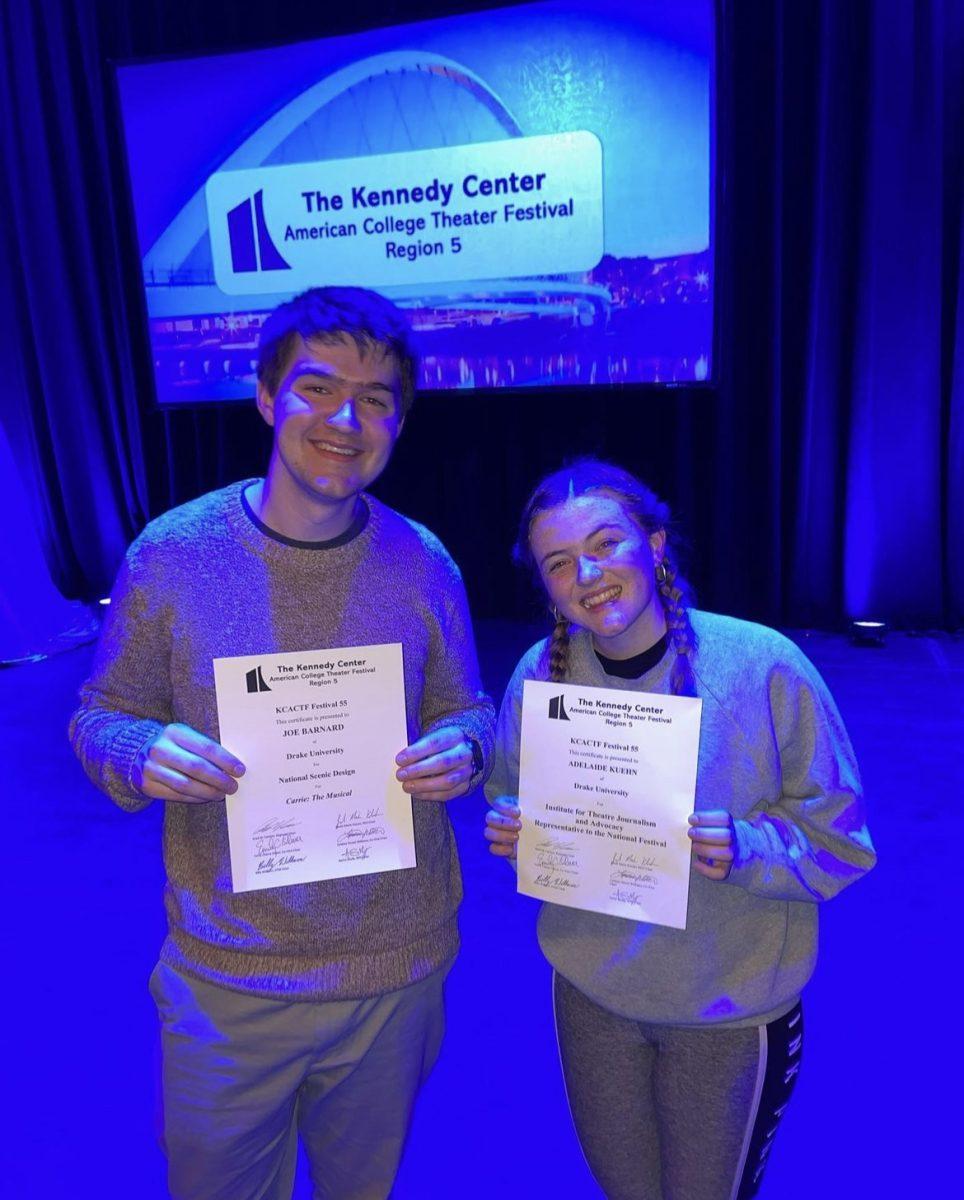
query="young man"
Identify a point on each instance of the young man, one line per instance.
(315, 1008)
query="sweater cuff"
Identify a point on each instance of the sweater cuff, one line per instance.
(743, 851)
(126, 747)
(476, 729)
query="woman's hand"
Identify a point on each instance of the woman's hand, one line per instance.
(714, 843)
(502, 826)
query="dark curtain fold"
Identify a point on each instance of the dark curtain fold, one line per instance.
(842, 305)
(71, 410)
(822, 478)
(823, 51)
(954, 419)
(860, 186)
(894, 532)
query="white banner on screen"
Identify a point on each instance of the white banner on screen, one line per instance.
(518, 207)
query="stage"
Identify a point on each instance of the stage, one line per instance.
(871, 1114)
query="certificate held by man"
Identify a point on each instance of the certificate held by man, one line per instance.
(318, 733)
(607, 782)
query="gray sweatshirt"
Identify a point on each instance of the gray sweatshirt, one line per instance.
(203, 582)
(775, 754)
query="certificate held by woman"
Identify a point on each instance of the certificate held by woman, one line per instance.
(607, 783)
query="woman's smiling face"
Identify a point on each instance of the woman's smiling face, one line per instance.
(597, 566)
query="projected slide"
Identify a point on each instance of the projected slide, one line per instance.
(532, 184)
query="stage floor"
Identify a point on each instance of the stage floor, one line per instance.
(872, 1110)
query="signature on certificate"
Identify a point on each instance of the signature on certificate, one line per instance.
(355, 816)
(557, 855)
(357, 830)
(630, 876)
(277, 845)
(273, 863)
(354, 853)
(277, 825)
(555, 881)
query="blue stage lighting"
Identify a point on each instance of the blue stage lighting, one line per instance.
(868, 633)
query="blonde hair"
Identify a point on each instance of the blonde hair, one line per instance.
(652, 515)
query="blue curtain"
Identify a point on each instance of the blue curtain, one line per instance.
(842, 131)
(903, 496)
(824, 477)
(69, 403)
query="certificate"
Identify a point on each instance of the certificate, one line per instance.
(607, 782)
(318, 733)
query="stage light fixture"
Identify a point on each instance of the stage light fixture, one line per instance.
(868, 633)
(105, 600)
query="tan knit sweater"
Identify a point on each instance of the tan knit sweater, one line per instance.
(203, 582)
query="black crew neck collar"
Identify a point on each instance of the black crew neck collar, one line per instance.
(359, 521)
(639, 664)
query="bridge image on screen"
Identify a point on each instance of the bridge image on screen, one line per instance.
(502, 331)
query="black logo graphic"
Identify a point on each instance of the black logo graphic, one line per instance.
(557, 710)
(251, 246)
(255, 681)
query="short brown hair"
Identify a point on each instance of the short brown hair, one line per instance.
(328, 314)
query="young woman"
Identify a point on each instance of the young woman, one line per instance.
(680, 1048)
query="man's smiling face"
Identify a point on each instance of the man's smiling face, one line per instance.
(336, 416)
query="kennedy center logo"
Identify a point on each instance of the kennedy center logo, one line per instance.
(557, 710)
(251, 246)
(255, 681)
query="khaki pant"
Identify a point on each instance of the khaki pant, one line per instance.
(243, 1077)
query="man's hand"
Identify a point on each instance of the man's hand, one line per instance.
(437, 766)
(502, 826)
(182, 764)
(714, 843)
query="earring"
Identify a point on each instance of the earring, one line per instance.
(555, 614)
(661, 573)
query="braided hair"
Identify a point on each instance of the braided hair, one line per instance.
(651, 514)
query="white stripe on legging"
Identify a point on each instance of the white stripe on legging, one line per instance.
(761, 1072)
